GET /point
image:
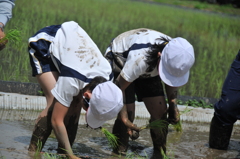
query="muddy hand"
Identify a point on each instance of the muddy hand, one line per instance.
(133, 132)
(2, 42)
(132, 126)
(173, 116)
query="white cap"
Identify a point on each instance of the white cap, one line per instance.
(105, 104)
(176, 60)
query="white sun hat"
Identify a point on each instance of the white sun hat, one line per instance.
(105, 104)
(176, 60)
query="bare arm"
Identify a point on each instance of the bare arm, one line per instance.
(5, 15)
(173, 112)
(123, 84)
(59, 112)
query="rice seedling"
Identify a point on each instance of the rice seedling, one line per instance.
(164, 156)
(112, 139)
(162, 124)
(12, 36)
(53, 156)
(1, 156)
(178, 126)
(37, 152)
(135, 156)
(46, 155)
(213, 36)
(159, 124)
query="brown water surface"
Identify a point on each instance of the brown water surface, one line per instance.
(16, 129)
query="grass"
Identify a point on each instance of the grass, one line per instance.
(203, 5)
(215, 37)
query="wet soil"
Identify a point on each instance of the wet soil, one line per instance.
(16, 129)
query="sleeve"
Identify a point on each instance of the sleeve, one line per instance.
(135, 65)
(6, 7)
(66, 88)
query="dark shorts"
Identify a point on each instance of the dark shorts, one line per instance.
(227, 109)
(142, 88)
(38, 49)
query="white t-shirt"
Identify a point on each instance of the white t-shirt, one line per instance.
(77, 59)
(134, 45)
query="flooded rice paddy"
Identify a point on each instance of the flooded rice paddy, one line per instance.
(16, 128)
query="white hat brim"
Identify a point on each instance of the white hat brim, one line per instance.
(92, 121)
(169, 79)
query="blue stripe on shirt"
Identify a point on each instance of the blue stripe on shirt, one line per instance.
(136, 47)
(69, 72)
(50, 30)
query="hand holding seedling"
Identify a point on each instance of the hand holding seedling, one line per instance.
(12, 35)
(173, 115)
(3, 44)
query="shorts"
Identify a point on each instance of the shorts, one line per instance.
(142, 88)
(38, 49)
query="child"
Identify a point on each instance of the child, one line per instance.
(72, 72)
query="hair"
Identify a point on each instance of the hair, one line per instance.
(152, 55)
(94, 82)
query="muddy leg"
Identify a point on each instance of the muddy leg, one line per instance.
(43, 126)
(41, 132)
(120, 130)
(159, 138)
(71, 122)
(219, 135)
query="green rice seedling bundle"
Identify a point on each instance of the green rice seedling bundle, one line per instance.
(178, 125)
(12, 36)
(157, 124)
(112, 139)
(162, 124)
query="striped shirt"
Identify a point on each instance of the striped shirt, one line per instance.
(76, 57)
(133, 45)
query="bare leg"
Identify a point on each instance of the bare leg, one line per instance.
(157, 108)
(43, 127)
(120, 130)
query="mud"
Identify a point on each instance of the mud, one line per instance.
(16, 129)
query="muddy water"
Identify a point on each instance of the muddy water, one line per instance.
(16, 128)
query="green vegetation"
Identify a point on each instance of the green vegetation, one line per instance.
(195, 103)
(13, 36)
(112, 139)
(203, 5)
(215, 38)
(157, 124)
